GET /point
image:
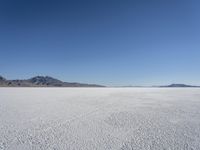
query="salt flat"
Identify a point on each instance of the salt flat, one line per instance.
(100, 118)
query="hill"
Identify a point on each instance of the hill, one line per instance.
(42, 81)
(179, 85)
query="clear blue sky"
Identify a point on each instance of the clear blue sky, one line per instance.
(111, 42)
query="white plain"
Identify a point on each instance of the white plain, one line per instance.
(100, 118)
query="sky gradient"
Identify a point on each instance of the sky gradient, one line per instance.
(111, 42)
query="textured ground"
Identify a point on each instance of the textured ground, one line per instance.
(99, 118)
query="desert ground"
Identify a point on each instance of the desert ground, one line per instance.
(99, 119)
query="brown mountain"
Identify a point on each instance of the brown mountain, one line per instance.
(42, 81)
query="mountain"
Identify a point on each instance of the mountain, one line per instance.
(42, 81)
(2, 81)
(45, 81)
(179, 85)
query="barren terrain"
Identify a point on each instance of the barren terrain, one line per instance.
(100, 118)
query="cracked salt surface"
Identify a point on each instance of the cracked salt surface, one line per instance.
(99, 118)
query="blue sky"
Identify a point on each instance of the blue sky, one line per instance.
(111, 42)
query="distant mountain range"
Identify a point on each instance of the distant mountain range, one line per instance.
(42, 81)
(179, 85)
(46, 81)
(164, 86)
